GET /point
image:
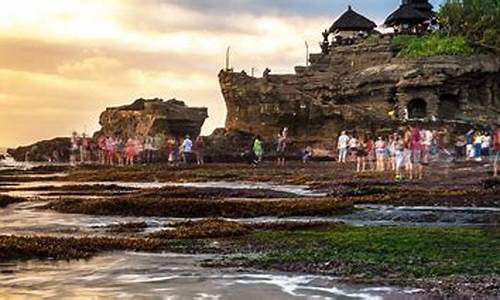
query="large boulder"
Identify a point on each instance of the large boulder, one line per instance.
(149, 117)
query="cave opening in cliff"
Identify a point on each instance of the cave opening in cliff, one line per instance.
(417, 109)
(449, 107)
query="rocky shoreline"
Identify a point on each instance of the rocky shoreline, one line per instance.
(252, 226)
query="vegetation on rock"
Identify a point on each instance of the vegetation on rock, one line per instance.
(465, 25)
(198, 208)
(477, 20)
(431, 45)
(391, 252)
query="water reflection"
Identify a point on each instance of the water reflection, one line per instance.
(168, 276)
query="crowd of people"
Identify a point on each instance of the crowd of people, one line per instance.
(109, 150)
(405, 152)
(409, 150)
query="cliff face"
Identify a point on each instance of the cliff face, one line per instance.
(144, 117)
(364, 87)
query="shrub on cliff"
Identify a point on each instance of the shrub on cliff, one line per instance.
(477, 20)
(431, 45)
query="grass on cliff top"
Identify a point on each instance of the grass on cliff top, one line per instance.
(390, 252)
(431, 45)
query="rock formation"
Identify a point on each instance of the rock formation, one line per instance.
(365, 87)
(149, 117)
(56, 150)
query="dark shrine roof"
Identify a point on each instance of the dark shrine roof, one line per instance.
(422, 5)
(411, 12)
(406, 14)
(352, 21)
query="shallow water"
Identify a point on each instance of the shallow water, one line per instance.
(299, 190)
(169, 276)
(27, 218)
(172, 276)
(422, 215)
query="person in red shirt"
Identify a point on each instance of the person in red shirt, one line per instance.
(496, 147)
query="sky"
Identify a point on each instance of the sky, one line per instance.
(62, 62)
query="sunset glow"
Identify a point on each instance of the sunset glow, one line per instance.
(63, 62)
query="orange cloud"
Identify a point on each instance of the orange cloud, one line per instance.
(63, 62)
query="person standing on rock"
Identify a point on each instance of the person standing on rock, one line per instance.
(170, 150)
(159, 140)
(258, 150)
(407, 159)
(496, 147)
(361, 154)
(120, 151)
(469, 148)
(427, 143)
(130, 148)
(353, 146)
(73, 148)
(110, 150)
(478, 141)
(101, 149)
(282, 147)
(307, 155)
(399, 149)
(342, 147)
(149, 149)
(416, 152)
(486, 146)
(84, 148)
(199, 149)
(391, 152)
(381, 153)
(186, 148)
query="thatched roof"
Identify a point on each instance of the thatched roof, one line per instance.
(406, 14)
(352, 21)
(423, 6)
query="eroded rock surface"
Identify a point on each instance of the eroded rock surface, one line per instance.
(149, 117)
(55, 150)
(364, 87)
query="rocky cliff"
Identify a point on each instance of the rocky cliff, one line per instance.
(364, 87)
(55, 150)
(143, 117)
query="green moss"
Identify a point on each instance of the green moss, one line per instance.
(386, 251)
(431, 45)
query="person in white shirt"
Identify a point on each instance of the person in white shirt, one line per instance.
(342, 146)
(427, 143)
(186, 148)
(486, 145)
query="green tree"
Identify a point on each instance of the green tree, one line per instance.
(477, 20)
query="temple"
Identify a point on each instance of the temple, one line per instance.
(351, 24)
(412, 16)
(363, 84)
